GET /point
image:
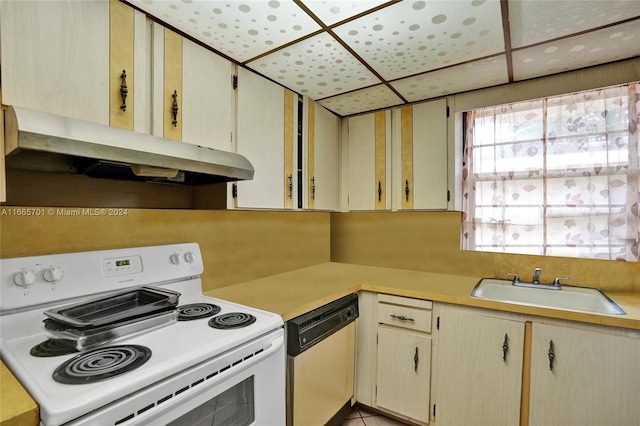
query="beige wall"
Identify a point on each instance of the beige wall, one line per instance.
(236, 245)
(430, 241)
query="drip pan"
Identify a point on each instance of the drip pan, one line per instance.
(88, 338)
(115, 308)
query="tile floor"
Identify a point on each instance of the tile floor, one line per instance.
(359, 416)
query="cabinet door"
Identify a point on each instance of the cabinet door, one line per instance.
(475, 385)
(55, 57)
(421, 181)
(403, 372)
(368, 161)
(261, 117)
(208, 98)
(322, 151)
(594, 378)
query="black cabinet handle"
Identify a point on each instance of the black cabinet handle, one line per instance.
(406, 189)
(290, 186)
(379, 191)
(174, 108)
(313, 188)
(552, 355)
(402, 318)
(123, 90)
(415, 360)
(505, 348)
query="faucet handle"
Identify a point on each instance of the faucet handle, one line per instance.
(556, 282)
(516, 278)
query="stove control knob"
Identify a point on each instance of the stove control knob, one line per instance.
(188, 256)
(24, 278)
(174, 258)
(52, 274)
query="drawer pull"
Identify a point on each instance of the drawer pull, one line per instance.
(402, 318)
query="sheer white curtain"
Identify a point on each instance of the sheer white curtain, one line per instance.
(557, 176)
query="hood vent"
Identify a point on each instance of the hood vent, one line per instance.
(108, 152)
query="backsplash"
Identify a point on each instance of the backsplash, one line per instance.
(430, 241)
(236, 245)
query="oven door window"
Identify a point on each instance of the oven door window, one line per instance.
(233, 407)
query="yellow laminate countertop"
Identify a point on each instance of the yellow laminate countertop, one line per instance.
(293, 293)
(17, 408)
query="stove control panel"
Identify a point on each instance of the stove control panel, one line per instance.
(48, 279)
(121, 266)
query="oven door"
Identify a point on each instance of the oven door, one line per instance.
(245, 386)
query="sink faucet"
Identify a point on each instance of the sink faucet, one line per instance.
(536, 276)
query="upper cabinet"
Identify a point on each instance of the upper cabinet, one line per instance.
(322, 145)
(104, 62)
(193, 94)
(398, 158)
(420, 156)
(369, 161)
(55, 57)
(266, 121)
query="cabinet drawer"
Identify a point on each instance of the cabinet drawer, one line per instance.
(412, 317)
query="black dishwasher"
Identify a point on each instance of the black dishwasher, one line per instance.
(321, 363)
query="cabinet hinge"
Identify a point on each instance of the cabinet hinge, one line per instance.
(447, 111)
(234, 190)
(438, 323)
(234, 82)
(448, 195)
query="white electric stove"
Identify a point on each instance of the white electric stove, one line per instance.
(186, 372)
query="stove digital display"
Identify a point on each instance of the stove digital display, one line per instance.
(125, 262)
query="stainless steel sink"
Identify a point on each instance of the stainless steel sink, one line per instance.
(568, 298)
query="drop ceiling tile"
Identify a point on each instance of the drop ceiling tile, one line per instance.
(598, 47)
(410, 37)
(538, 21)
(371, 98)
(331, 12)
(317, 67)
(241, 29)
(459, 78)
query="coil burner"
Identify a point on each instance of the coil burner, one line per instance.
(196, 311)
(101, 364)
(232, 320)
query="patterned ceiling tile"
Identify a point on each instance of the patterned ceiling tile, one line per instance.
(241, 29)
(415, 36)
(333, 11)
(317, 67)
(460, 78)
(371, 98)
(538, 21)
(599, 47)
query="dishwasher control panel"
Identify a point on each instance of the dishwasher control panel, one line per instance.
(310, 328)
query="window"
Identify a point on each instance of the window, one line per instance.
(558, 176)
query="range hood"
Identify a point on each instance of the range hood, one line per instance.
(102, 151)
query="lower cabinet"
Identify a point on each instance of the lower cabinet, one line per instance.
(404, 367)
(496, 368)
(479, 369)
(584, 376)
(393, 360)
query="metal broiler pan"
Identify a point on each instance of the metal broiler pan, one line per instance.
(88, 338)
(115, 308)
